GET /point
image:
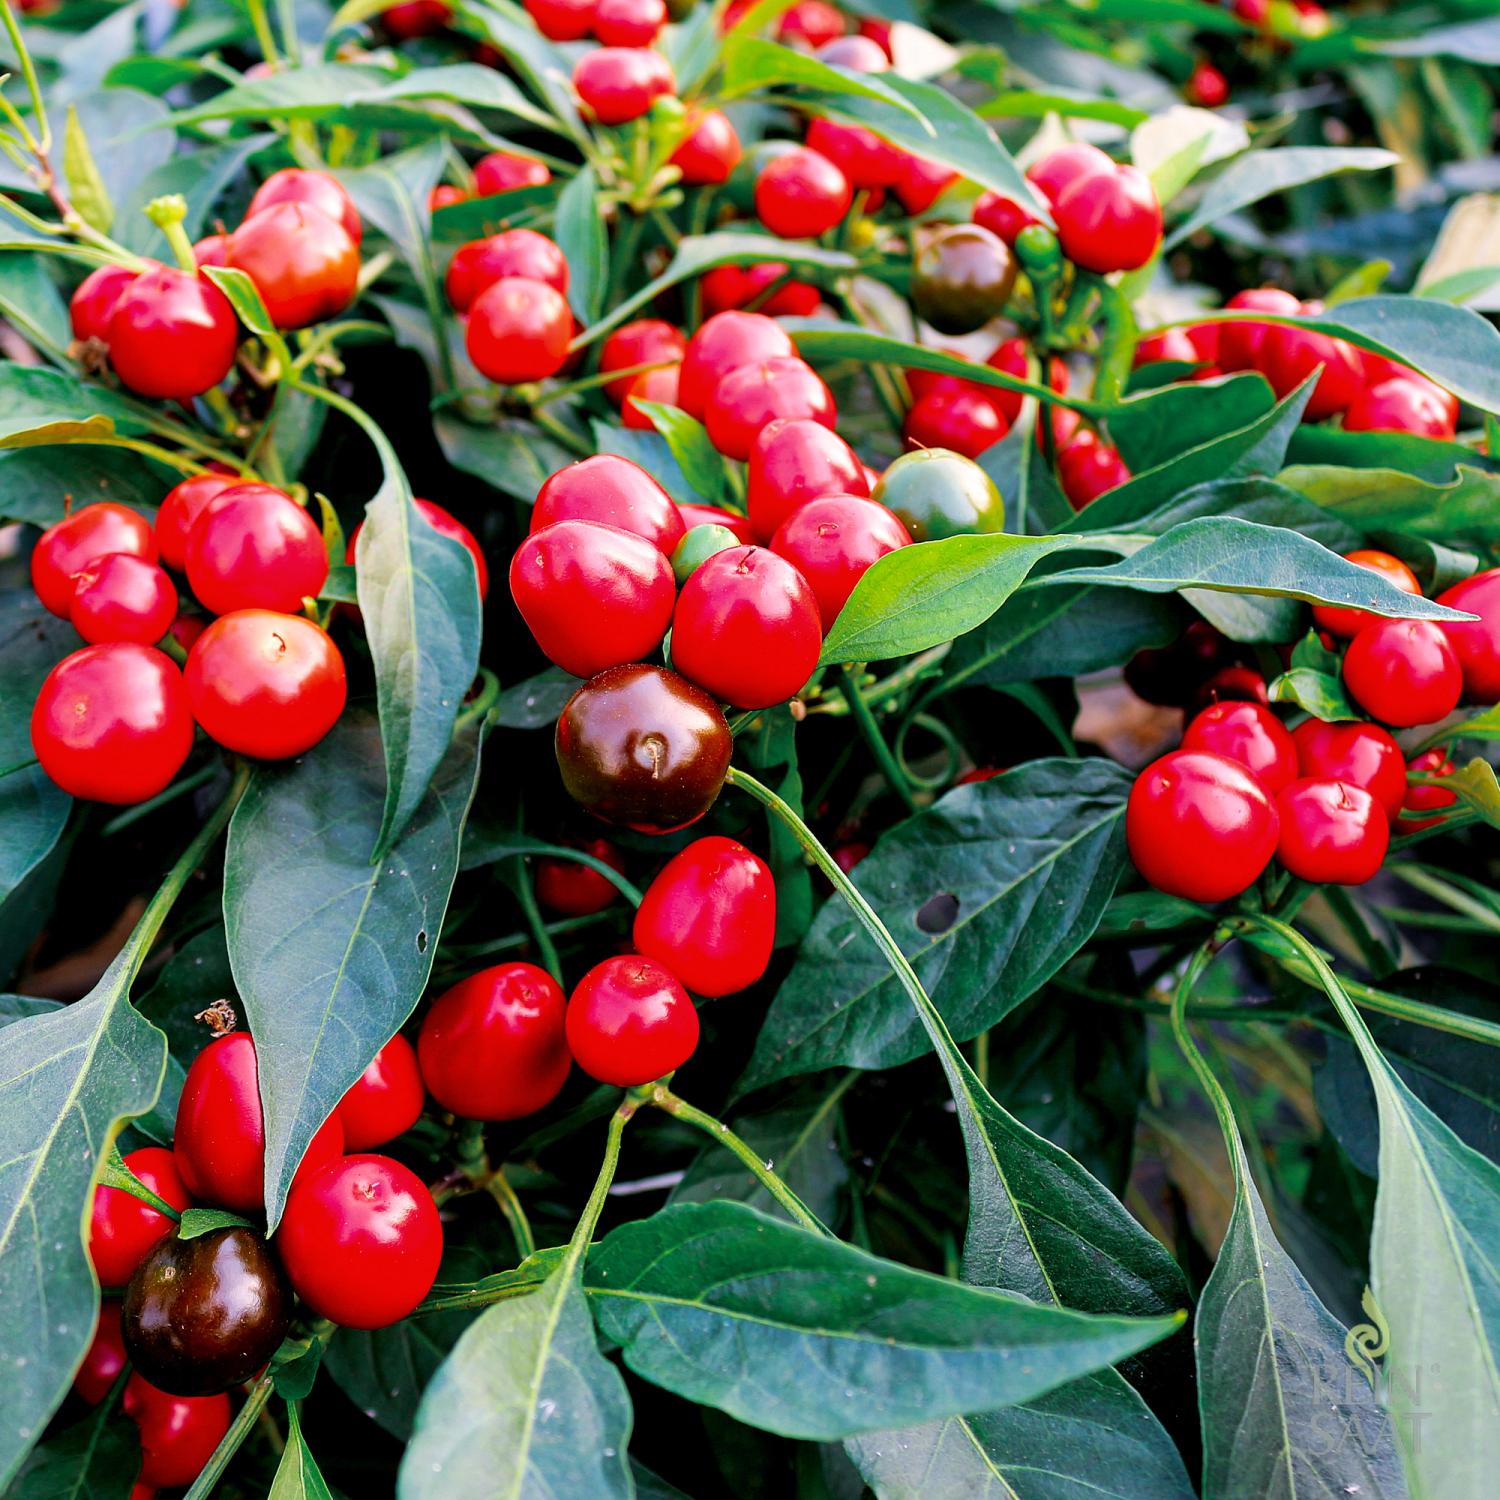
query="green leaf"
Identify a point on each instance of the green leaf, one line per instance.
(513, 456)
(542, 65)
(581, 235)
(85, 186)
(32, 304)
(698, 253)
(93, 1459)
(1260, 174)
(1435, 1282)
(1463, 508)
(33, 810)
(68, 1078)
(1285, 1411)
(958, 885)
(1259, 447)
(751, 64)
(1224, 553)
(1472, 41)
(1477, 789)
(297, 1475)
(537, 702)
(391, 194)
(1156, 426)
(701, 463)
(244, 296)
(931, 592)
(330, 953)
(524, 1408)
(802, 1335)
(1320, 693)
(200, 1221)
(40, 406)
(419, 598)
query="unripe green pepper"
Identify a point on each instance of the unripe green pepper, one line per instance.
(937, 493)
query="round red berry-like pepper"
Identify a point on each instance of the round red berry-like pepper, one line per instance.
(93, 303)
(643, 747)
(866, 160)
(122, 1228)
(1239, 343)
(619, 84)
(1200, 826)
(445, 195)
(813, 23)
(1087, 468)
(611, 491)
(1400, 406)
(965, 421)
(415, 18)
(1404, 672)
(792, 462)
(112, 723)
(1250, 734)
(518, 331)
(105, 1356)
(1172, 347)
(1332, 832)
(265, 684)
(1059, 169)
(492, 1046)
(630, 1021)
(1108, 221)
(254, 547)
(479, 264)
(385, 1100)
(181, 507)
(710, 151)
(562, 20)
(747, 628)
(1425, 798)
(178, 1433)
(800, 194)
(573, 889)
(1477, 642)
(361, 1240)
(220, 1140)
(724, 343)
(1362, 755)
(594, 596)
(1206, 87)
(643, 342)
(709, 917)
(1287, 356)
(628, 23)
(172, 334)
(506, 171)
(66, 548)
(1348, 623)
(833, 542)
(920, 182)
(749, 398)
(304, 264)
(122, 597)
(318, 190)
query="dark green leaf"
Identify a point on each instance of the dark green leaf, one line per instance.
(752, 64)
(512, 455)
(200, 1221)
(803, 1335)
(1152, 428)
(330, 952)
(1259, 174)
(960, 887)
(524, 1407)
(94, 1459)
(700, 462)
(580, 233)
(297, 1475)
(1465, 508)
(1321, 694)
(68, 1078)
(39, 406)
(536, 703)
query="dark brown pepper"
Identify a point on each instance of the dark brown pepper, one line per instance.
(640, 746)
(962, 277)
(205, 1314)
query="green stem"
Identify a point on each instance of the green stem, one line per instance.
(482, 701)
(604, 377)
(261, 24)
(1117, 347)
(870, 730)
(178, 789)
(22, 53)
(499, 1188)
(583, 1233)
(563, 434)
(239, 1429)
(664, 1099)
(546, 949)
